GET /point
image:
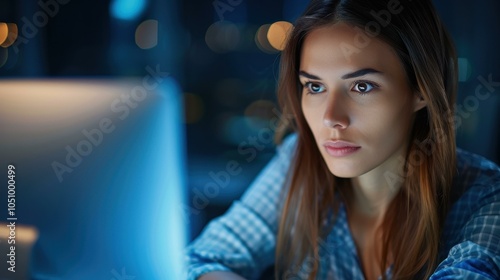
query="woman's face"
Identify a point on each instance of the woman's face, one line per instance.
(356, 101)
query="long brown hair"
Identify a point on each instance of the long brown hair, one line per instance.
(313, 194)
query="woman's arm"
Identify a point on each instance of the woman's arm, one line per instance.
(221, 276)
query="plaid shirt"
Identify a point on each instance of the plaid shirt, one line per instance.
(243, 239)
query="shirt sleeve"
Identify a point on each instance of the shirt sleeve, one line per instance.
(477, 255)
(243, 239)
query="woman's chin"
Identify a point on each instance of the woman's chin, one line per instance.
(344, 171)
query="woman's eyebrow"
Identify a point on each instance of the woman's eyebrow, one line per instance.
(307, 75)
(359, 73)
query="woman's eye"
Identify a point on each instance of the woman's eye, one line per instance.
(315, 87)
(363, 87)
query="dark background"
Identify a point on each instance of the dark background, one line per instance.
(228, 87)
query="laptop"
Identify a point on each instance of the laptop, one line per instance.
(99, 181)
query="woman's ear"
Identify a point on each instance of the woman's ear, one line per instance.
(419, 102)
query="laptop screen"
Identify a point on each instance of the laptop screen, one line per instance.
(99, 172)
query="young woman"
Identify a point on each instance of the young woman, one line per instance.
(369, 184)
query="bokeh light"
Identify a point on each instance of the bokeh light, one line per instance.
(194, 108)
(278, 33)
(464, 69)
(11, 35)
(127, 9)
(222, 37)
(4, 32)
(261, 39)
(259, 111)
(146, 34)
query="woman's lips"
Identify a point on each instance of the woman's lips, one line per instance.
(339, 148)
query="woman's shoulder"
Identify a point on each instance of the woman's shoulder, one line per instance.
(466, 159)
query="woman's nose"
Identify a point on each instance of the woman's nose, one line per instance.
(336, 112)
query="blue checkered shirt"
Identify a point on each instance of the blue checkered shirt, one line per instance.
(243, 239)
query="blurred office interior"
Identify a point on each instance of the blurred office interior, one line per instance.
(225, 56)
